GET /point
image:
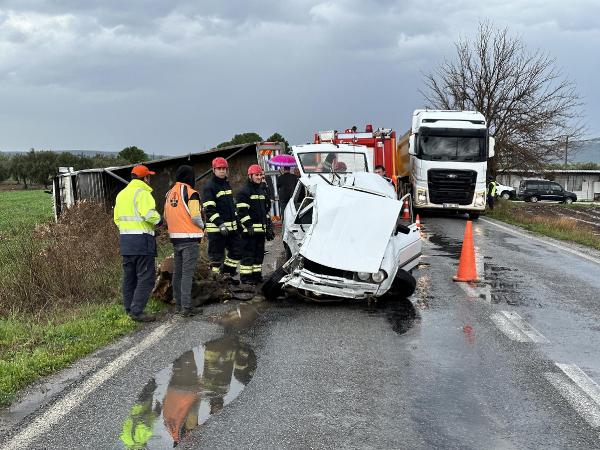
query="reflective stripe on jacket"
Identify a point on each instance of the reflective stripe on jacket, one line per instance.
(177, 213)
(219, 205)
(135, 214)
(253, 205)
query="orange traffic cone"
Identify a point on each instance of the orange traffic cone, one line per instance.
(418, 221)
(405, 211)
(467, 271)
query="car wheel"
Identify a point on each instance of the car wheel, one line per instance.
(505, 195)
(533, 199)
(404, 284)
(568, 200)
(271, 288)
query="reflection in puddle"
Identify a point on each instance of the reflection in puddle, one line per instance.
(400, 313)
(184, 395)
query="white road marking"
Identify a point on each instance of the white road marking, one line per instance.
(525, 327)
(579, 390)
(60, 409)
(508, 328)
(552, 244)
(516, 328)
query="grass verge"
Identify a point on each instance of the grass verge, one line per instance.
(32, 348)
(554, 226)
(59, 287)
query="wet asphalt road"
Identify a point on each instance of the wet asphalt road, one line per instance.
(453, 367)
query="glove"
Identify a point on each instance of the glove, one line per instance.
(223, 230)
(250, 230)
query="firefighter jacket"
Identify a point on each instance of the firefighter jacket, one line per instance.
(253, 205)
(135, 214)
(182, 213)
(219, 205)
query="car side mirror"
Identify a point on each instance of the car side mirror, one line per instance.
(400, 228)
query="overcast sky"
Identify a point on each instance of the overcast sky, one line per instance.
(179, 76)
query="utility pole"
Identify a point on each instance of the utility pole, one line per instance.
(566, 149)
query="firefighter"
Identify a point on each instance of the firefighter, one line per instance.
(253, 206)
(136, 216)
(184, 220)
(222, 222)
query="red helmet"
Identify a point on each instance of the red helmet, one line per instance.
(219, 163)
(340, 166)
(255, 169)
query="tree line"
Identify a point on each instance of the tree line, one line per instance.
(38, 167)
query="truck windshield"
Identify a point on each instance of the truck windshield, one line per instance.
(327, 162)
(452, 148)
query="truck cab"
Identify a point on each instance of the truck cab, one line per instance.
(448, 153)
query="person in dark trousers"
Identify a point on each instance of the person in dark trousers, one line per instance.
(184, 220)
(222, 222)
(491, 196)
(253, 205)
(136, 216)
(286, 183)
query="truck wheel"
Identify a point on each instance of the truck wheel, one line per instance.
(505, 195)
(473, 216)
(271, 288)
(404, 284)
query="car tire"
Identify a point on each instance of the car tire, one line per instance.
(533, 199)
(568, 200)
(505, 195)
(473, 216)
(404, 284)
(271, 288)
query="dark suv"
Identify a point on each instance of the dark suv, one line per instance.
(535, 190)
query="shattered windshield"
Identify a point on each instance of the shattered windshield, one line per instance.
(338, 162)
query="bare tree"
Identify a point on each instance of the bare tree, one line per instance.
(529, 105)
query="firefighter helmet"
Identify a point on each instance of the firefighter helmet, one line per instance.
(255, 169)
(219, 163)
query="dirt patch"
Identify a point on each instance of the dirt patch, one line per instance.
(587, 217)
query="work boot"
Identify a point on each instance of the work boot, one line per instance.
(189, 312)
(228, 278)
(142, 317)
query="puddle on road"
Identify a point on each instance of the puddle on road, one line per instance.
(400, 313)
(185, 394)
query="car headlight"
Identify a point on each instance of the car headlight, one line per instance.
(421, 196)
(363, 276)
(479, 198)
(379, 276)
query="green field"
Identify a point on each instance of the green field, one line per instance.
(37, 343)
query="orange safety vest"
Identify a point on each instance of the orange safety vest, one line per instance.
(177, 213)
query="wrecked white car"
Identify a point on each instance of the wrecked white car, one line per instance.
(343, 232)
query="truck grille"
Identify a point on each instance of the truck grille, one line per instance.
(451, 186)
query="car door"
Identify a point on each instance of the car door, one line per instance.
(544, 190)
(296, 230)
(556, 192)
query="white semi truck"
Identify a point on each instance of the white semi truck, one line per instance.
(443, 160)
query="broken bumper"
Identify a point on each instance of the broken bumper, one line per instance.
(324, 285)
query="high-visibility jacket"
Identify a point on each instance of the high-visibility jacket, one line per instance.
(492, 188)
(137, 428)
(253, 206)
(135, 214)
(219, 205)
(181, 206)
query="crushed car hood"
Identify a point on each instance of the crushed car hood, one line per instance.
(351, 229)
